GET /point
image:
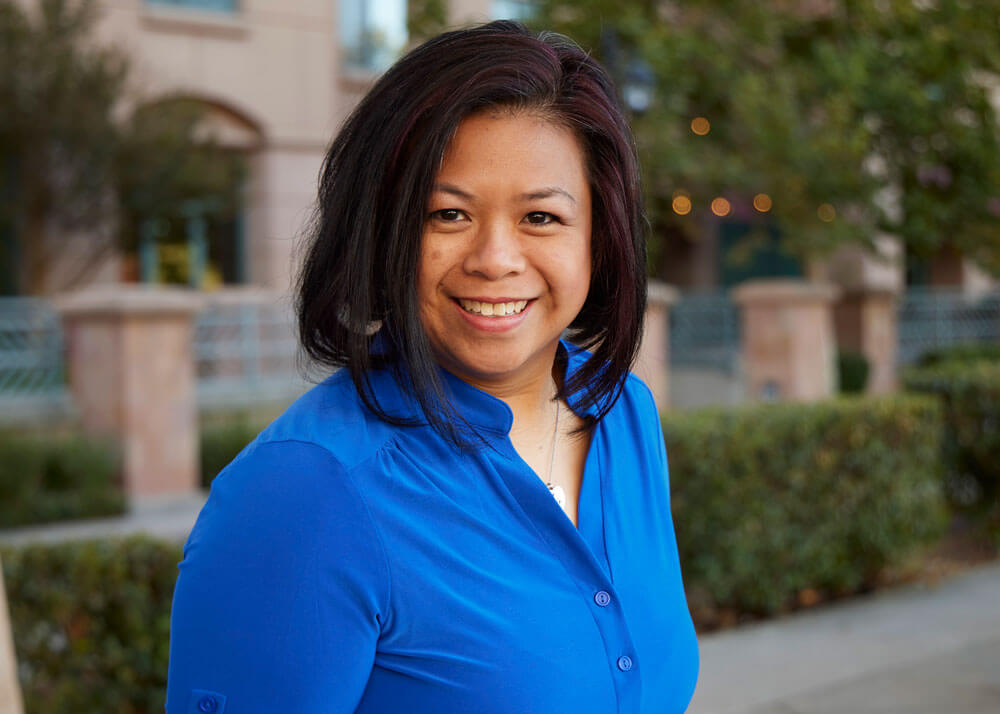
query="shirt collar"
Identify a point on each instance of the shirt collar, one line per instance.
(478, 408)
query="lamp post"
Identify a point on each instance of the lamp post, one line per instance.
(639, 84)
(635, 80)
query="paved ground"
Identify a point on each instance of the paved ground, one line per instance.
(172, 519)
(911, 650)
(914, 650)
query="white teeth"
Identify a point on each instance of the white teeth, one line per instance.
(493, 309)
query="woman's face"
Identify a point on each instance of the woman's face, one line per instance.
(505, 257)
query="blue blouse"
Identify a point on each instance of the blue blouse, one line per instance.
(344, 564)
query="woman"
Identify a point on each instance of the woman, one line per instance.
(472, 515)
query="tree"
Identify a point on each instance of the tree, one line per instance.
(851, 117)
(71, 169)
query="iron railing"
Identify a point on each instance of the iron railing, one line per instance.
(934, 318)
(32, 359)
(705, 332)
(245, 353)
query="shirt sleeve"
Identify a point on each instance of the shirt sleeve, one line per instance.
(282, 592)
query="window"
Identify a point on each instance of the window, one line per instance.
(372, 33)
(228, 6)
(521, 10)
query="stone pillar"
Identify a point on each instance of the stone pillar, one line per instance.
(653, 361)
(788, 339)
(866, 323)
(132, 375)
(10, 691)
(871, 281)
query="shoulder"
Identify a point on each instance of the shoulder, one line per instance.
(332, 417)
(298, 477)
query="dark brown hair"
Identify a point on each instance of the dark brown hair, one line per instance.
(362, 257)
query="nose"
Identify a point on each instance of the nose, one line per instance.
(495, 252)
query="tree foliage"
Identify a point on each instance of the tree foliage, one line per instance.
(877, 109)
(78, 162)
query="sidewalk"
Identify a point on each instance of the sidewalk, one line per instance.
(910, 650)
(914, 650)
(170, 519)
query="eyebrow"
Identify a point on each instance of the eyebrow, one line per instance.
(453, 190)
(547, 192)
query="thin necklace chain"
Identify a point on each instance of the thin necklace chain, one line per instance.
(557, 492)
(552, 454)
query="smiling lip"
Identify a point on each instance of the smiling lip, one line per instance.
(495, 323)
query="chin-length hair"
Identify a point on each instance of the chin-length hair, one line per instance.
(361, 258)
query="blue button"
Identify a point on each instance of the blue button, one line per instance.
(205, 701)
(624, 663)
(602, 598)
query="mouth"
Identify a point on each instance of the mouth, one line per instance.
(493, 309)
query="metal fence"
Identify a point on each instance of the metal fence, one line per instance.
(245, 346)
(32, 360)
(245, 353)
(931, 319)
(705, 332)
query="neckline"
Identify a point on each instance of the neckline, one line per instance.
(476, 407)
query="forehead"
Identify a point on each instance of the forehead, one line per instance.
(504, 147)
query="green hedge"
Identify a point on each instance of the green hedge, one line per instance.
(56, 478)
(767, 501)
(222, 440)
(91, 624)
(771, 501)
(852, 369)
(963, 352)
(970, 395)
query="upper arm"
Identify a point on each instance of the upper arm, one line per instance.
(282, 589)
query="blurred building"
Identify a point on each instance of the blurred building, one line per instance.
(275, 80)
(731, 249)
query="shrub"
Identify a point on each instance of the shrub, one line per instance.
(964, 352)
(221, 441)
(56, 478)
(853, 369)
(91, 624)
(970, 395)
(772, 501)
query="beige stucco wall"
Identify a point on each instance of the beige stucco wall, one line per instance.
(465, 12)
(275, 70)
(270, 61)
(273, 65)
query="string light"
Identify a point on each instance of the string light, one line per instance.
(720, 206)
(826, 212)
(681, 204)
(700, 126)
(762, 202)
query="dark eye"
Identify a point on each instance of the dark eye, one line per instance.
(448, 215)
(539, 218)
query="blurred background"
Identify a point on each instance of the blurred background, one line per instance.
(822, 180)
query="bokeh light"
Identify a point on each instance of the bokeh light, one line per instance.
(762, 202)
(826, 212)
(681, 205)
(720, 206)
(700, 126)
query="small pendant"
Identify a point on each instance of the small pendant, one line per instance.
(559, 494)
